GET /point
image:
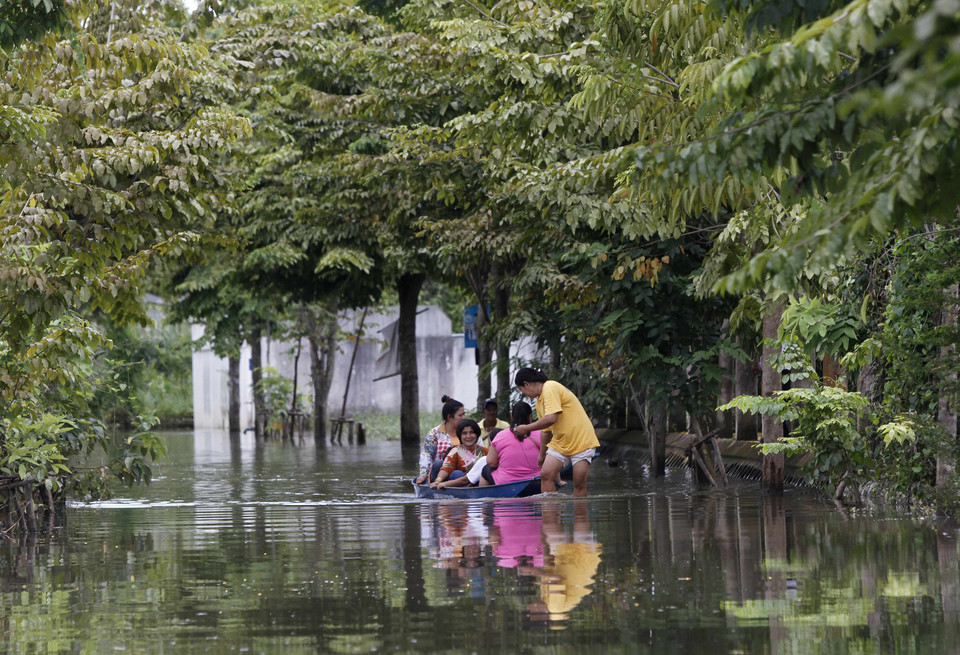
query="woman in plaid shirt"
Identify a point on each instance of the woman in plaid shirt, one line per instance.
(439, 440)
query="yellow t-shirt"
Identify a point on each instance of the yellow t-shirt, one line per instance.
(573, 432)
(575, 565)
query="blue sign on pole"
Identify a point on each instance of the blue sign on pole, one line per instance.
(470, 326)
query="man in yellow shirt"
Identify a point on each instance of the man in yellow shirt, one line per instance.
(491, 421)
(568, 437)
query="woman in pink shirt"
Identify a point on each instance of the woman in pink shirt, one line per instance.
(513, 458)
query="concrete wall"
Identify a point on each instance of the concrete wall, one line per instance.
(445, 366)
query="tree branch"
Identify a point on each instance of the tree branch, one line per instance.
(485, 14)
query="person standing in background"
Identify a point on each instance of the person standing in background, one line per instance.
(491, 421)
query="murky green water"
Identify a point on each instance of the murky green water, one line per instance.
(298, 550)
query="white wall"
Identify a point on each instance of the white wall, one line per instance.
(445, 366)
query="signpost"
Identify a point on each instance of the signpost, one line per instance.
(470, 326)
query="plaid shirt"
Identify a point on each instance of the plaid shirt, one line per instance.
(435, 446)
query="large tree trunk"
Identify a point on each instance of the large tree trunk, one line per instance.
(773, 465)
(478, 277)
(256, 363)
(501, 307)
(657, 438)
(946, 412)
(484, 357)
(293, 399)
(233, 383)
(745, 385)
(832, 372)
(725, 420)
(408, 289)
(323, 351)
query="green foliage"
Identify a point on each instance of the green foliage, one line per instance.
(148, 370)
(849, 120)
(31, 451)
(21, 20)
(109, 131)
(905, 460)
(827, 425)
(276, 390)
(901, 433)
(913, 342)
(277, 393)
(134, 453)
(821, 327)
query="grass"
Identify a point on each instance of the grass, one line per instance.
(386, 427)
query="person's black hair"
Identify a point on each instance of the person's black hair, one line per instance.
(520, 416)
(490, 401)
(450, 407)
(493, 433)
(469, 422)
(528, 374)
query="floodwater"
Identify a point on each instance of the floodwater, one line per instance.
(292, 549)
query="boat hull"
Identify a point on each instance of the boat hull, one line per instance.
(518, 489)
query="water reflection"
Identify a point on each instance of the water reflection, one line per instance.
(515, 536)
(240, 547)
(553, 555)
(571, 561)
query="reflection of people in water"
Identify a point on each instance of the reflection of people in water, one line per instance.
(456, 535)
(570, 565)
(515, 536)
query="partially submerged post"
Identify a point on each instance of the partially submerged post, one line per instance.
(708, 462)
(772, 430)
(338, 426)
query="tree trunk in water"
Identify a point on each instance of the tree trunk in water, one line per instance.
(408, 289)
(657, 438)
(353, 360)
(233, 420)
(868, 384)
(946, 413)
(416, 595)
(501, 307)
(319, 400)
(772, 431)
(256, 362)
(745, 385)
(726, 420)
(293, 396)
(323, 352)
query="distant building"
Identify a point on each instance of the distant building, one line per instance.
(445, 366)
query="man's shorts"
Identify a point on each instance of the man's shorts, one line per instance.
(568, 460)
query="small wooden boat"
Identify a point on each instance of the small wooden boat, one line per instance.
(518, 489)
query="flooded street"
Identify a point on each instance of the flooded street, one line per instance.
(238, 548)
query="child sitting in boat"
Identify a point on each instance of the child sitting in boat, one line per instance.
(460, 458)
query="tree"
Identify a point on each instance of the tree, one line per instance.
(107, 136)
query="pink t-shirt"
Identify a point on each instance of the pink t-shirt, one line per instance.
(520, 538)
(518, 459)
